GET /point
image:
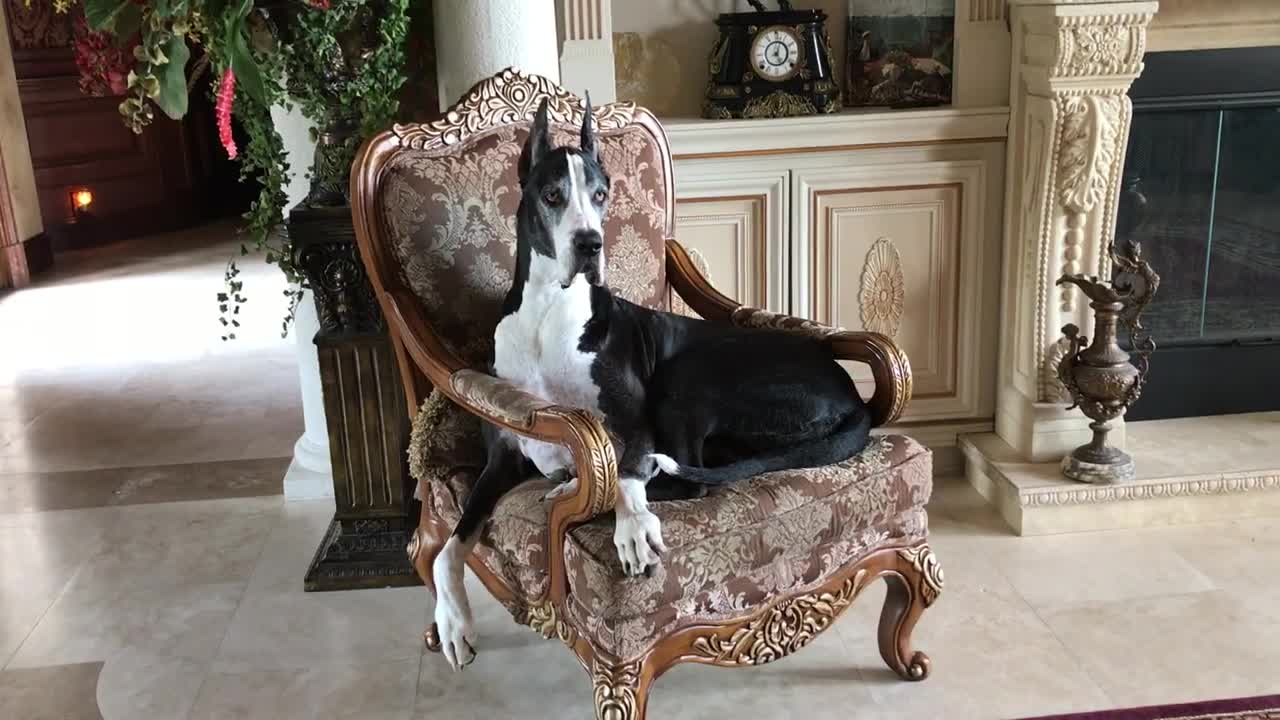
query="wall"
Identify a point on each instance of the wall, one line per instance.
(17, 155)
(1200, 24)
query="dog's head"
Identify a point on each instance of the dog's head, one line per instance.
(564, 197)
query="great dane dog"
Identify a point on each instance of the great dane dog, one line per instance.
(692, 404)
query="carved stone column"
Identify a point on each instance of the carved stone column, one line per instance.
(364, 410)
(1073, 63)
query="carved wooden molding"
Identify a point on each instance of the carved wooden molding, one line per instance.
(784, 628)
(926, 563)
(509, 97)
(543, 619)
(616, 690)
(882, 297)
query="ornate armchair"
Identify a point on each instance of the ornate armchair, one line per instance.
(752, 573)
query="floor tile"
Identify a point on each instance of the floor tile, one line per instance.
(183, 623)
(1177, 648)
(60, 692)
(371, 691)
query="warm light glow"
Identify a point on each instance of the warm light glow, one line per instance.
(82, 198)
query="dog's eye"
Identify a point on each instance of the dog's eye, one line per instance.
(599, 197)
(551, 196)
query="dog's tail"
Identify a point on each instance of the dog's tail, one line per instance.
(848, 438)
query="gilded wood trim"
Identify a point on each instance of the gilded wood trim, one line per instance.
(762, 221)
(829, 241)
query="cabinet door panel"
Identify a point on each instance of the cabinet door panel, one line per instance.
(902, 241)
(734, 223)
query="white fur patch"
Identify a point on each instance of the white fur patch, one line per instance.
(666, 463)
(453, 619)
(536, 349)
(637, 532)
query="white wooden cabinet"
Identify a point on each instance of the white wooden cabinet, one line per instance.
(898, 238)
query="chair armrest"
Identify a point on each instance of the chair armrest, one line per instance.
(503, 404)
(694, 288)
(889, 365)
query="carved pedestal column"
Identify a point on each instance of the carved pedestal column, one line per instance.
(364, 409)
(1072, 66)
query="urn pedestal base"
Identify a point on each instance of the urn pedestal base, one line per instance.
(364, 409)
(1122, 470)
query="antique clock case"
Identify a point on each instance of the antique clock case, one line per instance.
(757, 70)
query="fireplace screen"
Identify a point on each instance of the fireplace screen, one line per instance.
(1201, 191)
(1210, 224)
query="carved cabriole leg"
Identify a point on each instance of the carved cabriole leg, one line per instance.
(620, 690)
(915, 580)
(424, 546)
(913, 586)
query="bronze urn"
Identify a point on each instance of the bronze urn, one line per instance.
(1102, 378)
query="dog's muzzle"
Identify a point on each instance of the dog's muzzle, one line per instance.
(587, 245)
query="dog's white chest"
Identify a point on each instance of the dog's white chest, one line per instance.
(536, 349)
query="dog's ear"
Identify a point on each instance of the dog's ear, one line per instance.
(588, 138)
(538, 144)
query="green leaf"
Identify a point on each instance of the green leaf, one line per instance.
(128, 21)
(173, 79)
(102, 14)
(248, 74)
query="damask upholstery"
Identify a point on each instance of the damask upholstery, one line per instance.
(727, 553)
(451, 216)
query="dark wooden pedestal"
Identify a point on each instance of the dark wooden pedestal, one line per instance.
(364, 406)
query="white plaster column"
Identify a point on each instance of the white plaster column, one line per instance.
(1073, 63)
(310, 474)
(477, 39)
(586, 59)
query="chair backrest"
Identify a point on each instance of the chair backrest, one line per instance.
(445, 196)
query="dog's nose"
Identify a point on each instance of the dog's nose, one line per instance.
(587, 242)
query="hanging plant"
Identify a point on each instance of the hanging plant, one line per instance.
(144, 51)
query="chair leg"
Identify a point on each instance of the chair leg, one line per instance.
(426, 544)
(621, 691)
(913, 586)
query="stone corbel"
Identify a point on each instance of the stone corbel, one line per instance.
(1073, 63)
(586, 58)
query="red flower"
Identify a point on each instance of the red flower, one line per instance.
(319, 4)
(222, 111)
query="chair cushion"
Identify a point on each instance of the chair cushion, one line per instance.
(451, 215)
(727, 553)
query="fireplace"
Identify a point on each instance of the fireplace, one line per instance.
(1201, 191)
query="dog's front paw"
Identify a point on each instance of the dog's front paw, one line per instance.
(456, 632)
(564, 488)
(638, 538)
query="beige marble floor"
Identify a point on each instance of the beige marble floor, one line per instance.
(118, 602)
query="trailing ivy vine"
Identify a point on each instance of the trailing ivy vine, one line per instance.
(244, 42)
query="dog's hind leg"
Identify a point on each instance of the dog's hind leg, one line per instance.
(453, 620)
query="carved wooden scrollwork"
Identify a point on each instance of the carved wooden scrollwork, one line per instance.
(616, 690)
(926, 563)
(509, 97)
(882, 297)
(783, 629)
(543, 619)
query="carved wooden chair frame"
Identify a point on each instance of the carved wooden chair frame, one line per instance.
(779, 628)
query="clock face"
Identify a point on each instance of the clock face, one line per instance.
(775, 53)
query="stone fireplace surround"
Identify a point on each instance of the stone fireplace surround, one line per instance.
(1072, 65)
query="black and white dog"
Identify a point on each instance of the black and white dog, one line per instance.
(692, 403)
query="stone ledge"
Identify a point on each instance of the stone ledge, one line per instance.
(1228, 471)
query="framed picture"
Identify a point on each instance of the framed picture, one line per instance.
(899, 53)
